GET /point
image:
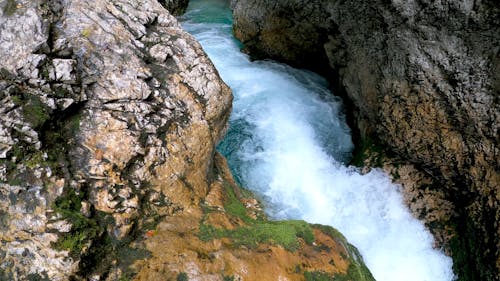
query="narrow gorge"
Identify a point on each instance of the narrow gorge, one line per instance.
(124, 155)
(288, 142)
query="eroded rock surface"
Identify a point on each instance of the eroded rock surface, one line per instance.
(227, 237)
(100, 101)
(424, 80)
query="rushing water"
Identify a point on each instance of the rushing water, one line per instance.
(288, 142)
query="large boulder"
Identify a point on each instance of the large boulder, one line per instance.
(424, 80)
(110, 114)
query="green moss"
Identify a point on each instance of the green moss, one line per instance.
(5, 74)
(357, 270)
(45, 74)
(17, 152)
(233, 205)
(35, 111)
(16, 100)
(35, 159)
(461, 260)
(10, 7)
(317, 276)
(256, 231)
(284, 233)
(83, 229)
(15, 181)
(182, 277)
(368, 149)
(228, 278)
(73, 242)
(332, 232)
(470, 262)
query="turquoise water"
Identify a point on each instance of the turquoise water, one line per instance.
(288, 142)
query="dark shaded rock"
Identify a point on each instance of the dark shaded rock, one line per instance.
(175, 7)
(424, 81)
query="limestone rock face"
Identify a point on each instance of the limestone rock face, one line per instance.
(424, 79)
(109, 117)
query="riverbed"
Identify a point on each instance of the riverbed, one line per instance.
(289, 143)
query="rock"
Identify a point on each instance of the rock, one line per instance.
(294, 32)
(63, 70)
(176, 7)
(60, 226)
(198, 256)
(423, 81)
(103, 104)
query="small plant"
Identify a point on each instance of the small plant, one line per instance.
(182, 276)
(16, 100)
(35, 111)
(86, 32)
(318, 276)
(10, 8)
(35, 160)
(233, 205)
(83, 229)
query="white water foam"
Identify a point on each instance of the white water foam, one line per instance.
(287, 142)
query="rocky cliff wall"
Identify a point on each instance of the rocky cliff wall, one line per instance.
(99, 101)
(424, 81)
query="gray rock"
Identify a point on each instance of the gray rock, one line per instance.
(63, 70)
(104, 111)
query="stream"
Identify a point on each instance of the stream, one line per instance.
(289, 143)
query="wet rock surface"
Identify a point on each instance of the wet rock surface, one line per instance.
(226, 237)
(423, 79)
